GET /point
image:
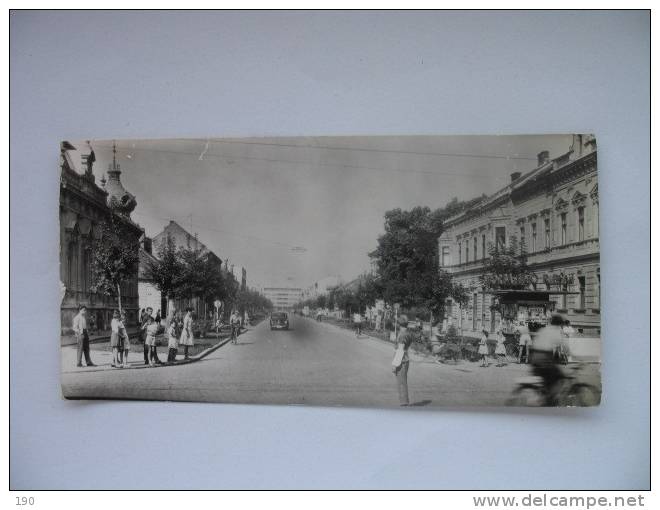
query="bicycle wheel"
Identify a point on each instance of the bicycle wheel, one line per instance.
(581, 395)
(526, 396)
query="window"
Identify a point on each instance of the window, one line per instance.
(467, 252)
(563, 228)
(546, 224)
(444, 261)
(582, 284)
(475, 249)
(460, 254)
(483, 246)
(533, 237)
(500, 237)
(597, 298)
(580, 218)
(522, 239)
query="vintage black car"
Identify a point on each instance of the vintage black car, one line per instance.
(279, 320)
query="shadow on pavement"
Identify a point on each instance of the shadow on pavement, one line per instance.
(421, 403)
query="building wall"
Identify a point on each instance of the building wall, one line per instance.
(149, 296)
(565, 193)
(283, 297)
(82, 209)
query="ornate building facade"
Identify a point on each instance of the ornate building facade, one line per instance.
(554, 211)
(83, 207)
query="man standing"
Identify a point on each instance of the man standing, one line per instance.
(82, 338)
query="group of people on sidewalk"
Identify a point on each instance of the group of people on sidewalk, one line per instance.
(178, 330)
(179, 333)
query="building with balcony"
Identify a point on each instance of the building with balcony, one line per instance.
(553, 212)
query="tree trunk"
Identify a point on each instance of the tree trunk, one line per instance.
(119, 296)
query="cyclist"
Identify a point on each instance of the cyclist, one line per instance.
(235, 323)
(546, 343)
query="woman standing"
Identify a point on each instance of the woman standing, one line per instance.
(401, 361)
(124, 341)
(172, 341)
(150, 341)
(114, 338)
(500, 350)
(187, 338)
(483, 348)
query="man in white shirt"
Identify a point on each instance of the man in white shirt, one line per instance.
(82, 338)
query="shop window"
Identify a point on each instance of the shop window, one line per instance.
(582, 285)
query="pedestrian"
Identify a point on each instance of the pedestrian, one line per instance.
(542, 356)
(483, 348)
(235, 323)
(500, 349)
(357, 320)
(524, 343)
(150, 341)
(144, 322)
(124, 341)
(172, 342)
(187, 337)
(114, 338)
(82, 337)
(158, 318)
(401, 361)
(246, 319)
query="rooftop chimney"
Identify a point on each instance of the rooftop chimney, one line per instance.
(515, 176)
(543, 158)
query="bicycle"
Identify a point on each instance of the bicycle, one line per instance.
(234, 334)
(567, 392)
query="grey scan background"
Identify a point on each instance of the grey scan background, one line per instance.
(195, 74)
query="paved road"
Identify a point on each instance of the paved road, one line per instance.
(314, 363)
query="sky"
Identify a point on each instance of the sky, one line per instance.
(295, 210)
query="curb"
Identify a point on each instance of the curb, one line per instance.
(192, 359)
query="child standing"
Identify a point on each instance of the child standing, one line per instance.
(150, 341)
(483, 348)
(172, 341)
(500, 350)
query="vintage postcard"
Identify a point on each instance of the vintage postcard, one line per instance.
(386, 271)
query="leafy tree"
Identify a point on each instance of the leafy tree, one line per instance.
(166, 271)
(506, 267)
(115, 257)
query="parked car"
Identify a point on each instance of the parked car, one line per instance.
(279, 320)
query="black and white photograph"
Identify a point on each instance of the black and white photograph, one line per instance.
(360, 271)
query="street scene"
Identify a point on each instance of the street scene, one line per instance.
(415, 272)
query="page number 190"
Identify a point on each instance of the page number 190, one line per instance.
(24, 501)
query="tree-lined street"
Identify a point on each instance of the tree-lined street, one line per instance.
(313, 363)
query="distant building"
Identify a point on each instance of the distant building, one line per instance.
(283, 297)
(182, 239)
(83, 207)
(554, 210)
(148, 293)
(322, 286)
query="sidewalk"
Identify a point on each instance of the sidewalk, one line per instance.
(102, 359)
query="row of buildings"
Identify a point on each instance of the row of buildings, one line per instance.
(553, 210)
(84, 205)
